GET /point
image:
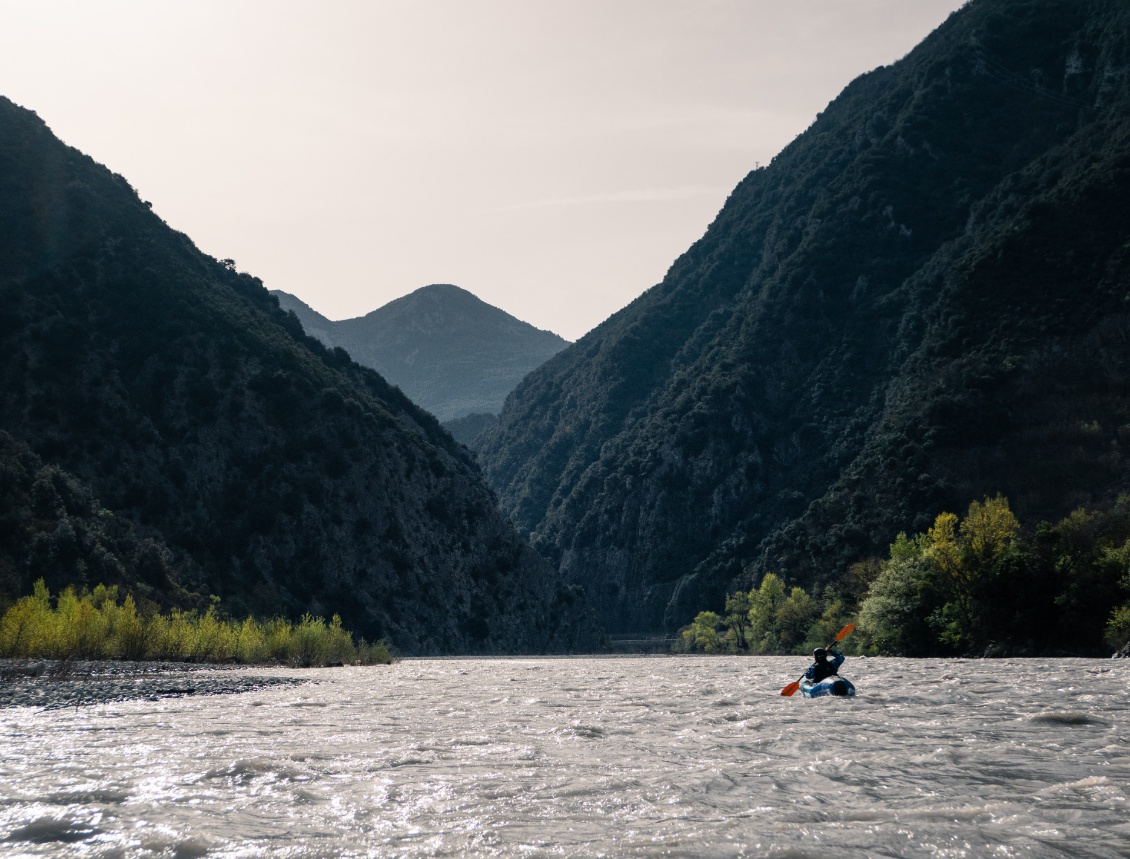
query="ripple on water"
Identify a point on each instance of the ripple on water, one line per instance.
(99, 796)
(176, 848)
(67, 829)
(1067, 719)
(585, 732)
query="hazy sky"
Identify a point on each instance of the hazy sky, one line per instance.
(552, 157)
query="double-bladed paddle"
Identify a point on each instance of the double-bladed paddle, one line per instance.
(843, 633)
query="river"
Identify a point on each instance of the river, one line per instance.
(587, 757)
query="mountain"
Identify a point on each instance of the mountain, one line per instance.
(450, 352)
(281, 476)
(923, 300)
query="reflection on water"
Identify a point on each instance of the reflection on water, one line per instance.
(588, 757)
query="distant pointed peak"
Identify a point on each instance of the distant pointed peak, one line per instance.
(444, 287)
(447, 291)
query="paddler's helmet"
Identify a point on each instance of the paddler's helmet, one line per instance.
(820, 654)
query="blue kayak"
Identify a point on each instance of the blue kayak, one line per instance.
(833, 685)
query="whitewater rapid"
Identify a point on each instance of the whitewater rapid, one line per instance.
(587, 757)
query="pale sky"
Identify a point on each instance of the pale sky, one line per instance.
(553, 157)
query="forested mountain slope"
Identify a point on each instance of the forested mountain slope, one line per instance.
(52, 527)
(923, 300)
(450, 352)
(283, 476)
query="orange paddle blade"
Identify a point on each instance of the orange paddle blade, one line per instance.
(844, 633)
(791, 688)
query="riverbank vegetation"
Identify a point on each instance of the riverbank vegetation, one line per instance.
(977, 585)
(99, 625)
(772, 618)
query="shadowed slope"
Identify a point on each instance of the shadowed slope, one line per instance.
(293, 479)
(920, 301)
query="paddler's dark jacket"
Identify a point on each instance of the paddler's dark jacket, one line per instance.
(817, 671)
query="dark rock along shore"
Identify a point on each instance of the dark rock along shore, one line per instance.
(52, 684)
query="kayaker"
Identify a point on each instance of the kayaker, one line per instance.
(822, 668)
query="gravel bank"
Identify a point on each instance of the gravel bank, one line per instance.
(48, 684)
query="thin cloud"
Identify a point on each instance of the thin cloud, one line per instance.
(642, 195)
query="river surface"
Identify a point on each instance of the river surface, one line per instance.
(587, 757)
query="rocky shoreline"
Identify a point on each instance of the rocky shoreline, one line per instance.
(51, 684)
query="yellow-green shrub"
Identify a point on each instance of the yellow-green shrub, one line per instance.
(95, 625)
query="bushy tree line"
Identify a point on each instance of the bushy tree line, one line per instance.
(966, 586)
(772, 618)
(97, 625)
(979, 585)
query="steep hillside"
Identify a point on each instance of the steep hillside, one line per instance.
(450, 352)
(313, 323)
(52, 527)
(924, 299)
(288, 477)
